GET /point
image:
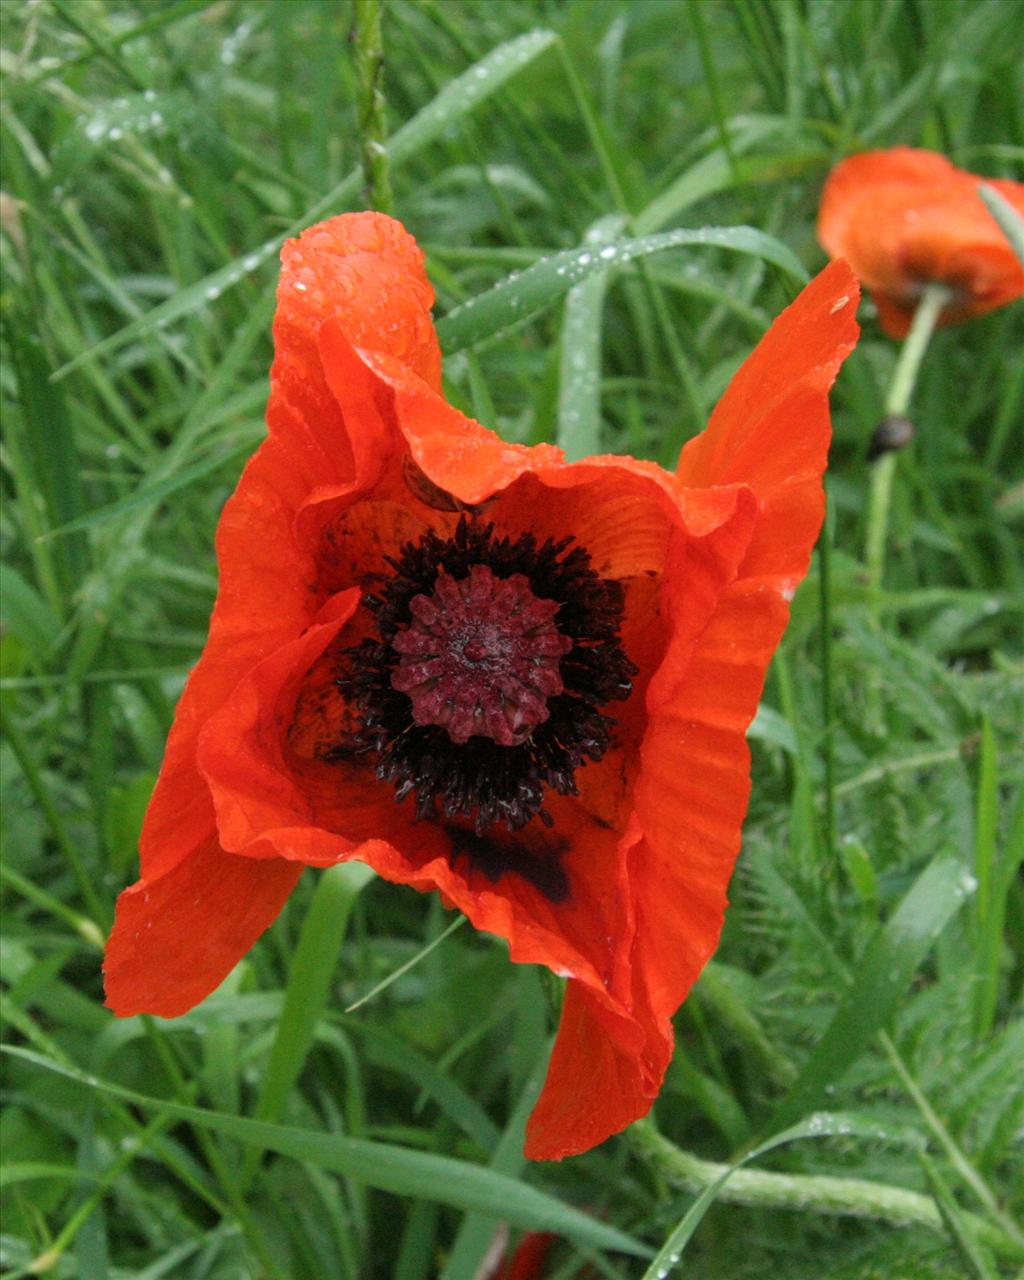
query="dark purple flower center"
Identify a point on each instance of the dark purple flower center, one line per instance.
(481, 657)
(485, 685)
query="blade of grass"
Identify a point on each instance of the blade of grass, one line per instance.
(26, 613)
(477, 1230)
(395, 1054)
(579, 383)
(956, 1224)
(988, 916)
(403, 969)
(62, 837)
(156, 492)
(49, 439)
(523, 294)
(312, 967)
(711, 77)
(712, 173)
(402, 1171)
(956, 1157)
(1010, 222)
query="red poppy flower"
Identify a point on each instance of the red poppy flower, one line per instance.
(483, 670)
(906, 218)
(528, 1260)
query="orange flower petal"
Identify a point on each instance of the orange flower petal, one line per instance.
(261, 602)
(593, 1088)
(176, 937)
(364, 272)
(771, 428)
(345, 274)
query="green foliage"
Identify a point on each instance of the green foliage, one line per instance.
(155, 156)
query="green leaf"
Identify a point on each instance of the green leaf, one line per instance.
(49, 439)
(156, 492)
(524, 293)
(477, 1231)
(387, 1167)
(579, 384)
(879, 982)
(395, 1054)
(411, 963)
(713, 172)
(990, 903)
(34, 1170)
(771, 726)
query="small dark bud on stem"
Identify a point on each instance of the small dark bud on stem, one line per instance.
(893, 432)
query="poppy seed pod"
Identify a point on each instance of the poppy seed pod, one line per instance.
(483, 670)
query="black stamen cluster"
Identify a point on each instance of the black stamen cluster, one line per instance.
(481, 780)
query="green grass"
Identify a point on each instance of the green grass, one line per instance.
(872, 966)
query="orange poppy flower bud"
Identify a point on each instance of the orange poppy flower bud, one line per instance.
(907, 218)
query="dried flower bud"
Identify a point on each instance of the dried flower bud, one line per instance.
(893, 432)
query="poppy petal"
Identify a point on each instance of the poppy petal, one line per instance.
(363, 271)
(348, 271)
(593, 1088)
(176, 937)
(261, 602)
(770, 430)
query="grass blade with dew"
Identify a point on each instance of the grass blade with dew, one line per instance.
(524, 294)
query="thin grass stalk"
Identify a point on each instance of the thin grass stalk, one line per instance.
(370, 103)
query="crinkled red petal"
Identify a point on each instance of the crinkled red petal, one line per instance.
(355, 272)
(178, 935)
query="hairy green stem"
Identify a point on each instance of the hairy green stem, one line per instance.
(841, 1197)
(369, 63)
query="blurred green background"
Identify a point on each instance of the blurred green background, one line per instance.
(154, 156)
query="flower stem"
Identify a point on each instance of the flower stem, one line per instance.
(933, 299)
(843, 1197)
(369, 63)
